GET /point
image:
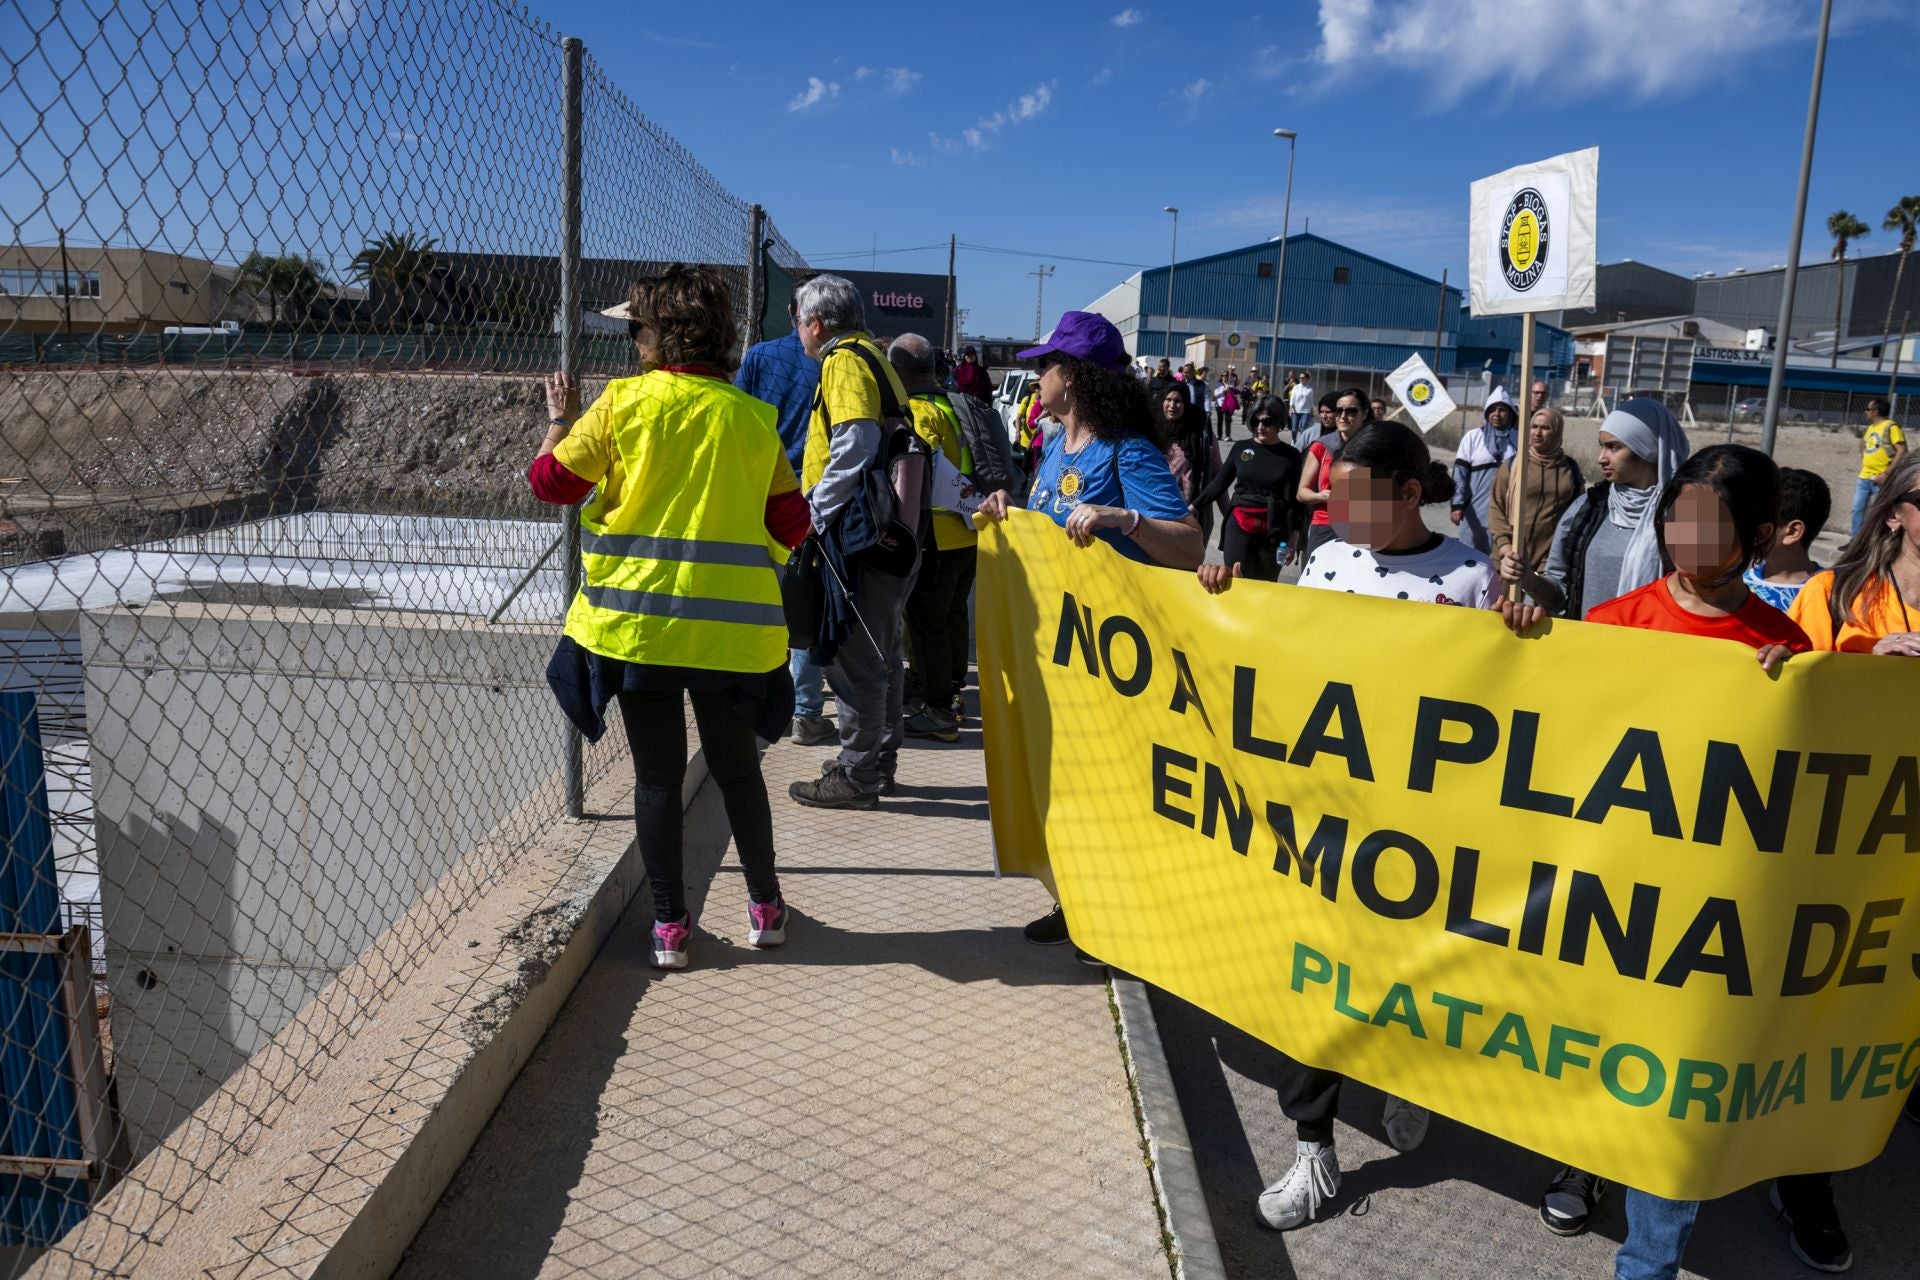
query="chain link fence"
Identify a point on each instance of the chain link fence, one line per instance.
(276, 289)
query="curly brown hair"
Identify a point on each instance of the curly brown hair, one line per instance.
(688, 313)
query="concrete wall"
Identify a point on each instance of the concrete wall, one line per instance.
(273, 788)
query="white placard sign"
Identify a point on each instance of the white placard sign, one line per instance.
(1533, 231)
(1421, 392)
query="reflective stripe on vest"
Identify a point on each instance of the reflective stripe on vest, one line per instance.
(685, 550)
(680, 570)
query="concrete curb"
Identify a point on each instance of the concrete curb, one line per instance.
(1176, 1178)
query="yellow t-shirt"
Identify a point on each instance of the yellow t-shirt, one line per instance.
(934, 423)
(1877, 447)
(847, 393)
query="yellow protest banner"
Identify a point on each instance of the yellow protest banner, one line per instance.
(1617, 896)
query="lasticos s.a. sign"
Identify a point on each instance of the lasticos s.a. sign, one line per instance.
(1664, 928)
(1533, 236)
(903, 302)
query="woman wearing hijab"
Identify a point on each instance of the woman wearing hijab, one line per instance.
(1481, 452)
(1606, 543)
(1191, 451)
(1553, 482)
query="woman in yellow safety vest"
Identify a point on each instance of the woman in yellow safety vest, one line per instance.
(694, 506)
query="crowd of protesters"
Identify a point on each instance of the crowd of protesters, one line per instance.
(865, 463)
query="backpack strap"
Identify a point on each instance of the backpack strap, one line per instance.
(890, 406)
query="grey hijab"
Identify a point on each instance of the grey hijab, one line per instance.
(1649, 429)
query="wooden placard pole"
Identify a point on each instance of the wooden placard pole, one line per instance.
(1523, 415)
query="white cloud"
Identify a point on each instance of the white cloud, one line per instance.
(1101, 77)
(1196, 91)
(1129, 18)
(1399, 231)
(980, 136)
(901, 80)
(861, 73)
(910, 159)
(1641, 49)
(816, 92)
(323, 22)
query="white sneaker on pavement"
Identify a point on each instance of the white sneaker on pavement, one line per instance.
(1313, 1180)
(1406, 1124)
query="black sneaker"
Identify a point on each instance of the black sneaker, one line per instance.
(930, 722)
(959, 710)
(814, 731)
(1813, 1224)
(1088, 958)
(1570, 1199)
(888, 786)
(834, 789)
(1050, 930)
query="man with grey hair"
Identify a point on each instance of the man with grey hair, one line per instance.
(937, 630)
(844, 439)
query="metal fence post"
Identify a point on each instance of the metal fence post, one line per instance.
(756, 275)
(572, 55)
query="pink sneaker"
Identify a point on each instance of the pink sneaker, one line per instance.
(767, 923)
(670, 942)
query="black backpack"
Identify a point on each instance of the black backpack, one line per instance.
(985, 437)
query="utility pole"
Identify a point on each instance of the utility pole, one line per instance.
(1776, 379)
(1280, 271)
(953, 334)
(1040, 274)
(66, 283)
(1173, 259)
(1440, 324)
(1899, 348)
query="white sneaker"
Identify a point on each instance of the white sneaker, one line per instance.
(1313, 1180)
(1406, 1124)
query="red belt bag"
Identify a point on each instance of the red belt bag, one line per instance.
(1250, 519)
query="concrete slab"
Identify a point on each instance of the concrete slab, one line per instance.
(906, 1089)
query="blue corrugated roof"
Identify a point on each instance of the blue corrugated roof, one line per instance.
(1376, 294)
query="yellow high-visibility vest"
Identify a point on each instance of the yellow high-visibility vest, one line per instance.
(679, 567)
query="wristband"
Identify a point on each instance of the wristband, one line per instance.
(556, 422)
(1135, 524)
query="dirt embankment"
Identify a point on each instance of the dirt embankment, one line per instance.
(109, 451)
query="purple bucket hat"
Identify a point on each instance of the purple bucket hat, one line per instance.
(1084, 335)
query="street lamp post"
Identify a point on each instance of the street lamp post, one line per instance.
(1777, 377)
(1280, 272)
(1172, 258)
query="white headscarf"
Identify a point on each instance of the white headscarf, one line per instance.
(1649, 429)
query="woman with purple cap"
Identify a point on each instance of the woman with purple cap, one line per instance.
(1104, 477)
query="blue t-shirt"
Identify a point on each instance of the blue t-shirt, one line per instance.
(781, 373)
(1108, 473)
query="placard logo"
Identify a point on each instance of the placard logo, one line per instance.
(1524, 239)
(1420, 393)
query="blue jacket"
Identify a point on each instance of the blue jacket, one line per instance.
(781, 373)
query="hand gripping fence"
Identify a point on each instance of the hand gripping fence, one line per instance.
(277, 287)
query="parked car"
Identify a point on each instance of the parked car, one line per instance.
(1752, 409)
(1006, 398)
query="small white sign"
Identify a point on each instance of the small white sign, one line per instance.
(1235, 343)
(1421, 392)
(952, 491)
(1533, 236)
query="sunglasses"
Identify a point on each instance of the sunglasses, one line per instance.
(1263, 422)
(1347, 411)
(1910, 499)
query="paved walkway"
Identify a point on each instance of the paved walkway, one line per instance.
(906, 1089)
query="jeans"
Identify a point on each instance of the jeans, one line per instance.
(657, 731)
(809, 687)
(1863, 491)
(1657, 1231)
(1300, 424)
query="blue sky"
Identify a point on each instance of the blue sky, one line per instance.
(1062, 129)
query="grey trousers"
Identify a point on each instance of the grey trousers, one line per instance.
(869, 684)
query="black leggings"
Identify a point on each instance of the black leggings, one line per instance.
(657, 731)
(1255, 553)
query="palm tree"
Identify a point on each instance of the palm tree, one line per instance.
(288, 279)
(1843, 227)
(1904, 218)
